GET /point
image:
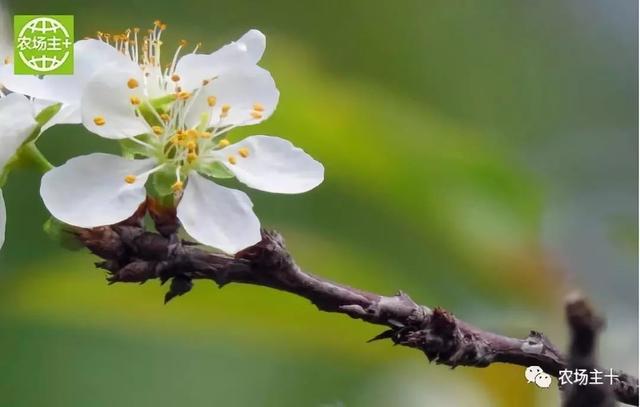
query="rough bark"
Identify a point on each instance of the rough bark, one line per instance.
(132, 254)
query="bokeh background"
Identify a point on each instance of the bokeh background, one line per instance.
(480, 156)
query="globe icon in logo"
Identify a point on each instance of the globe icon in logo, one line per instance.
(44, 44)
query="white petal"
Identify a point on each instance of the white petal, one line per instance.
(242, 89)
(89, 57)
(3, 219)
(217, 216)
(66, 114)
(194, 68)
(107, 96)
(90, 190)
(254, 43)
(16, 124)
(272, 165)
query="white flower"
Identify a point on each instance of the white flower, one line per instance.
(17, 122)
(177, 118)
(89, 57)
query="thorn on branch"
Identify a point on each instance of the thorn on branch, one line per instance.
(179, 285)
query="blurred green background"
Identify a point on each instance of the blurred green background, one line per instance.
(480, 156)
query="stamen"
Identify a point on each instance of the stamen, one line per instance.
(223, 143)
(134, 100)
(177, 186)
(183, 95)
(99, 120)
(225, 111)
(132, 83)
(256, 115)
(232, 160)
(211, 100)
(175, 77)
(258, 107)
(244, 152)
(191, 157)
(130, 179)
(165, 117)
(157, 130)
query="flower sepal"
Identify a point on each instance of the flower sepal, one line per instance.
(163, 187)
(62, 234)
(216, 169)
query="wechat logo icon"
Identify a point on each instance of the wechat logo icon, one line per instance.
(43, 45)
(535, 374)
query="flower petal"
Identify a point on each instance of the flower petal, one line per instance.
(243, 90)
(107, 109)
(272, 164)
(90, 190)
(66, 114)
(253, 42)
(217, 216)
(3, 219)
(89, 57)
(16, 124)
(194, 68)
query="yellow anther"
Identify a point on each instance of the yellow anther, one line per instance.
(163, 27)
(175, 77)
(205, 82)
(183, 43)
(132, 83)
(232, 160)
(191, 157)
(157, 130)
(157, 23)
(225, 111)
(165, 117)
(134, 100)
(192, 134)
(223, 143)
(205, 134)
(136, 29)
(177, 186)
(183, 95)
(256, 115)
(211, 100)
(130, 179)
(191, 146)
(258, 107)
(244, 152)
(99, 120)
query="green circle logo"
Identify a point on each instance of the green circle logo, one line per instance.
(43, 45)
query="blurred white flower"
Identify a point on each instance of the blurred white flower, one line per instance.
(176, 118)
(17, 122)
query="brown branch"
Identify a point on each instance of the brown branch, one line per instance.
(132, 254)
